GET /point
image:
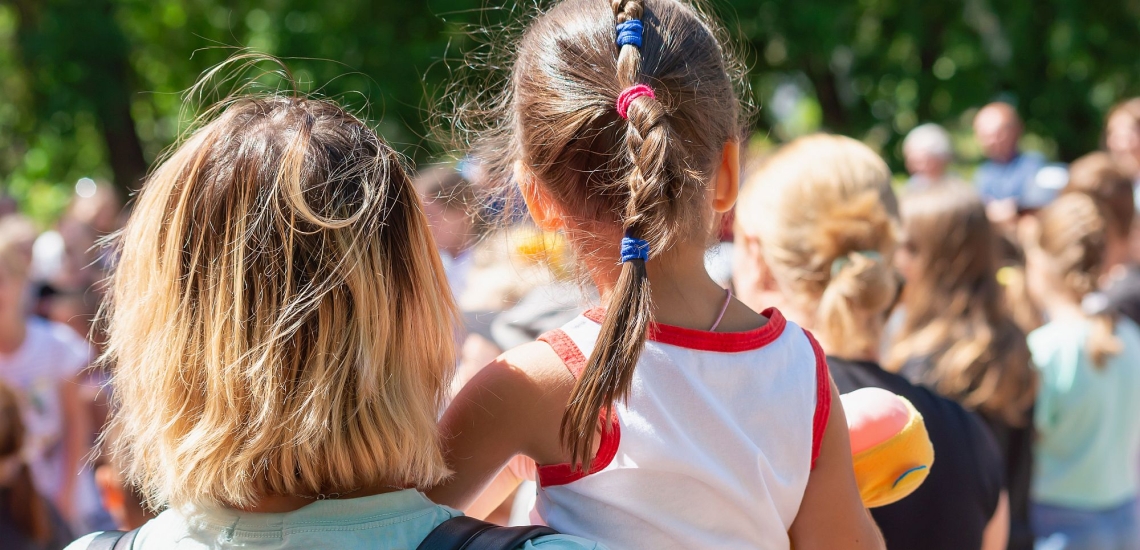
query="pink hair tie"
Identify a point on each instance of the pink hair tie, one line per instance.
(629, 95)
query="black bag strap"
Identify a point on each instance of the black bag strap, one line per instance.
(114, 540)
(465, 533)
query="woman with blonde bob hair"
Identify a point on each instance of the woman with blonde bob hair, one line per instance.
(280, 338)
(816, 227)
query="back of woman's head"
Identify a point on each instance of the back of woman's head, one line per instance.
(956, 318)
(1097, 174)
(825, 216)
(1069, 243)
(278, 324)
(625, 138)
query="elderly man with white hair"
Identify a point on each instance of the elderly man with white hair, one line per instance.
(928, 153)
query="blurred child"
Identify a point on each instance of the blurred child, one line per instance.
(43, 362)
(28, 521)
(280, 339)
(1088, 411)
(451, 205)
(1097, 174)
(676, 417)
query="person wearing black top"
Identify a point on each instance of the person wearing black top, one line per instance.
(815, 229)
(965, 479)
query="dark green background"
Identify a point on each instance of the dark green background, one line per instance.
(82, 78)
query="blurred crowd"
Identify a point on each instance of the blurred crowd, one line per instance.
(1013, 291)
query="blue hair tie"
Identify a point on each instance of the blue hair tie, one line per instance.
(634, 249)
(629, 33)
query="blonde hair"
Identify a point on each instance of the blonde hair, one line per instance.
(278, 320)
(1071, 235)
(957, 319)
(824, 213)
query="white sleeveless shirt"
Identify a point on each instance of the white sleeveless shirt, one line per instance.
(712, 449)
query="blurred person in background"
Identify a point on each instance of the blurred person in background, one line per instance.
(928, 152)
(815, 230)
(955, 334)
(1122, 138)
(69, 264)
(451, 204)
(28, 521)
(123, 501)
(1099, 175)
(44, 363)
(1087, 413)
(1009, 181)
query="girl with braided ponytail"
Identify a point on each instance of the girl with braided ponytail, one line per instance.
(674, 417)
(1087, 414)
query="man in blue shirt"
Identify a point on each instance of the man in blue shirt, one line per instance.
(1008, 181)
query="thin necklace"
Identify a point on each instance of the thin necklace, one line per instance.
(723, 309)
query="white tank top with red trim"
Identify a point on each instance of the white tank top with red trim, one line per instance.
(712, 449)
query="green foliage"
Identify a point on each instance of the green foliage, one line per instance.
(80, 79)
(878, 68)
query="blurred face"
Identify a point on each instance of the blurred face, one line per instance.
(925, 164)
(906, 260)
(1122, 136)
(997, 131)
(451, 227)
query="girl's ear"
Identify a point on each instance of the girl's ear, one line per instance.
(542, 210)
(727, 185)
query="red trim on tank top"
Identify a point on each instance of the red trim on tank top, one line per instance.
(703, 340)
(562, 474)
(822, 399)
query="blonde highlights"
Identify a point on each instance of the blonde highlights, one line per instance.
(957, 318)
(824, 213)
(278, 322)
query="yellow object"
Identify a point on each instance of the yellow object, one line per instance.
(543, 247)
(893, 469)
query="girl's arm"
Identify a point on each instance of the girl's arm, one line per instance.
(832, 515)
(76, 426)
(996, 535)
(513, 406)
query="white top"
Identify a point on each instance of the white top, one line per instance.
(51, 355)
(712, 449)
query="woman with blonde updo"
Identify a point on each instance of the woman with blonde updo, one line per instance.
(815, 230)
(1087, 415)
